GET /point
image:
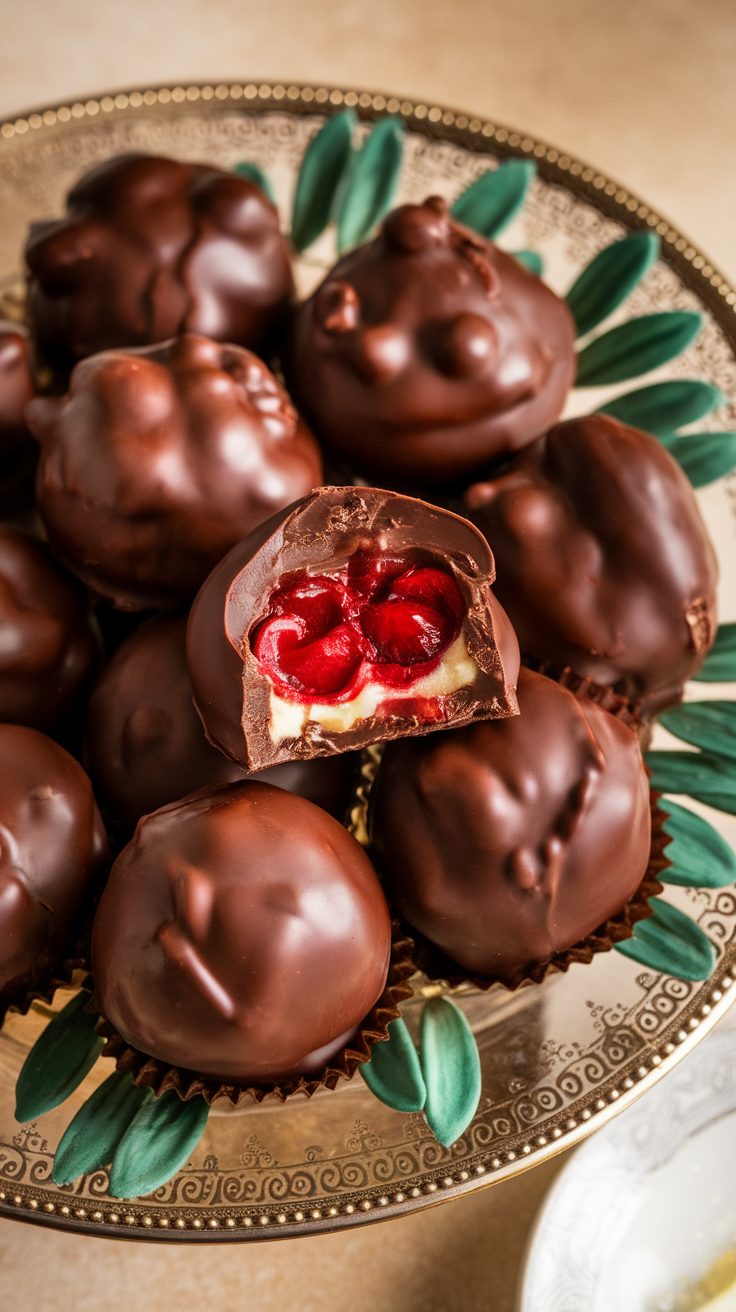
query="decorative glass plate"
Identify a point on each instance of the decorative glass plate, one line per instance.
(560, 1059)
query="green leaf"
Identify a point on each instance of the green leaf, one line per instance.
(372, 184)
(669, 941)
(609, 278)
(710, 725)
(704, 457)
(90, 1140)
(254, 173)
(703, 775)
(58, 1061)
(491, 202)
(157, 1144)
(719, 665)
(325, 160)
(533, 262)
(451, 1068)
(393, 1073)
(700, 857)
(662, 408)
(636, 347)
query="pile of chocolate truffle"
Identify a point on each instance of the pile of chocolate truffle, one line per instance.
(206, 613)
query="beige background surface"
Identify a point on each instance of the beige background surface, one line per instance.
(646, 90)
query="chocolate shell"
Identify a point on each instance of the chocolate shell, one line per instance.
(54, 849)
(506, 842)
(604, 562)
(429, 352)
(355, 616)
(151, 248)
(157, 462)
(16, 388)
(145, 743)
(49, 651)
(243, 935)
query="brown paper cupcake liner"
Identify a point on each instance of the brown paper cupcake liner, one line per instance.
(158, 1075)
(68, 973)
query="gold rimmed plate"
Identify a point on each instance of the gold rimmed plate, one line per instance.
(559, 1059)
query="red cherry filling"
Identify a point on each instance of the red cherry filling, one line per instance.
(324, 636)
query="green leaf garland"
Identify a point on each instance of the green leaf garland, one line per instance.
(636, 347)
(670, 942)
(325, 162)
(609, 279)
(156, 1144)
(700, 857)
(705, 776)
(704, 457)
(393, 1073)
(90, 1140)
(662, 408)
(372, 184)
(254, 173)
(710, 725)
(492, 202)
(451, 1069)
(531, 260)
(58, 1061)
(719, 665)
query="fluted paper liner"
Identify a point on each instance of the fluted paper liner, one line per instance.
(158, 1075)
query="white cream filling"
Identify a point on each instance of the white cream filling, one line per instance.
(456, 670)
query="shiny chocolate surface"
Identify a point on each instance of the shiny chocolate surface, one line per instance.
(53, 848)
(428, 352)
(157, 461)
(150, 248)
(508, 841)
(243, 934)
(604, 562)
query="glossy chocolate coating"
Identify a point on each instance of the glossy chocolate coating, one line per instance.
(509, 841)
(48, 651)
(53, 846)
(151, 248)
(146, 745)
(16, 388)
(604, 562)
(243, 934)
(232, 693)
(428, 352)
(156, 462)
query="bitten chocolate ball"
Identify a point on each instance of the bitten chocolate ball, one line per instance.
(428, 352)
(509, 841)
(48, 650)
(156, 462)
(354, 616)
(16, 388)
(243, 935)
(151, 248)
(53, 847)
(604, 562)
(145, 742)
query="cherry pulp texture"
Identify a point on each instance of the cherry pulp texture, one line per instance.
(381, 619)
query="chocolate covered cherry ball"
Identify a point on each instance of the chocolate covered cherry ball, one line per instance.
(243, 935)
(156, 462)
(509, 841)
(429, 352)
(151, 248)
(16, 388)
(53, 847)
(604, 562)
(146, 745)
(48, 650)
